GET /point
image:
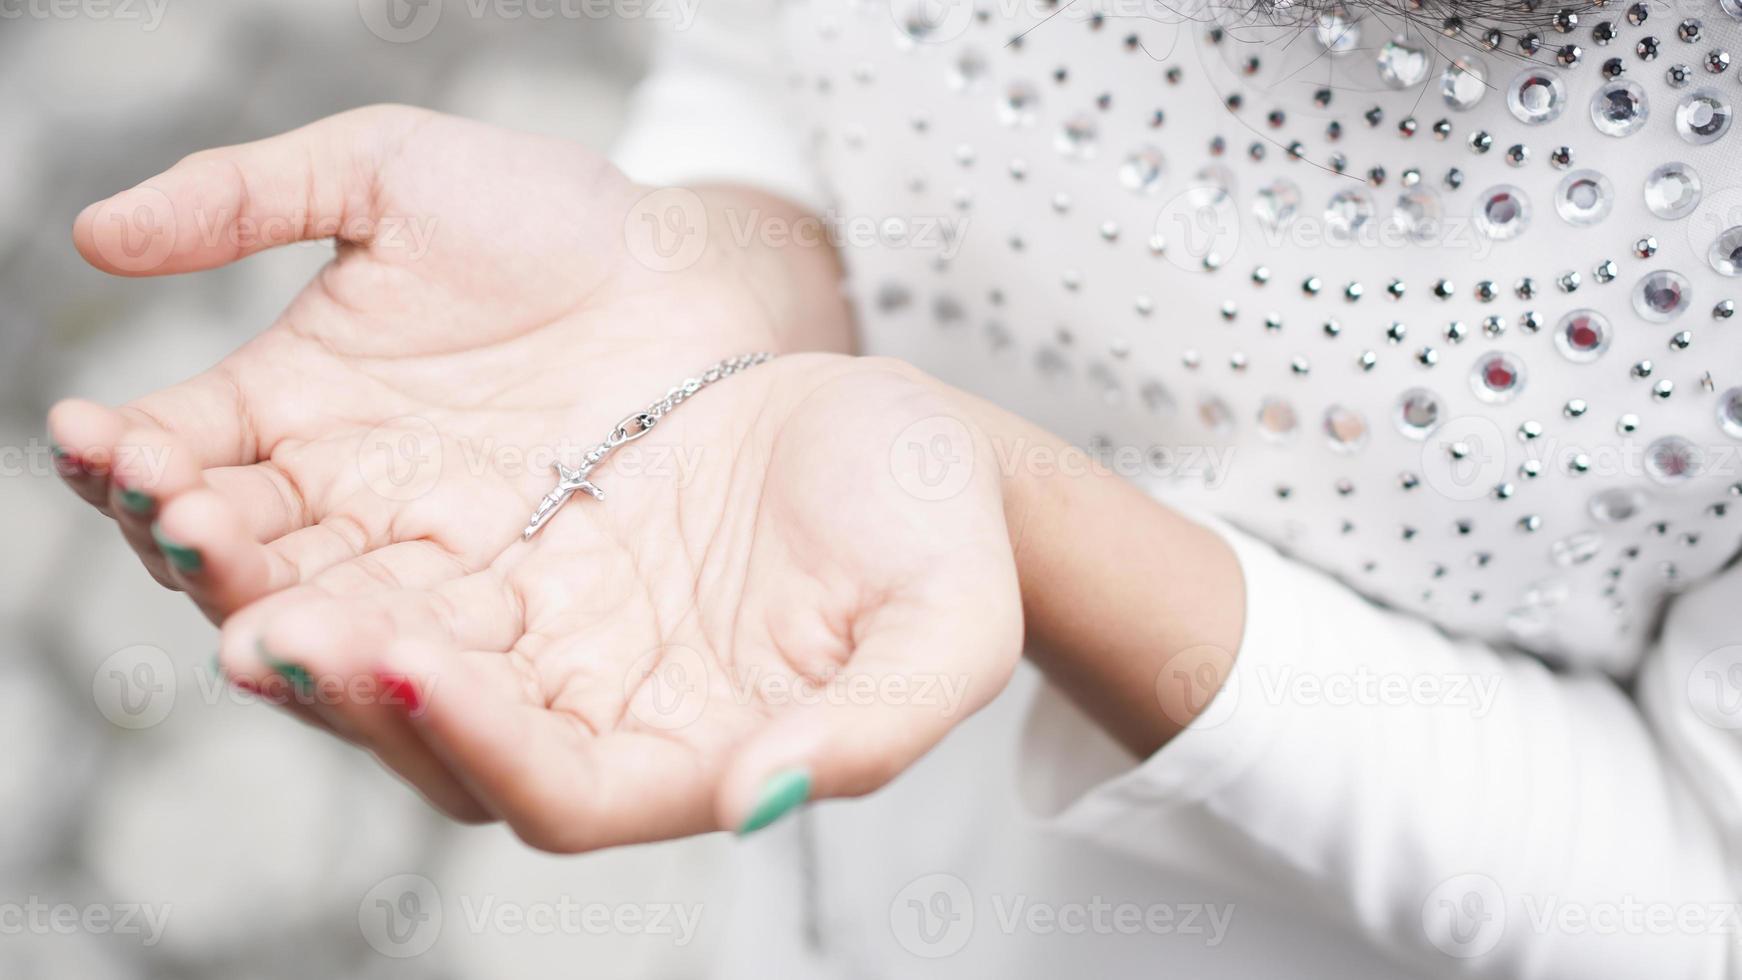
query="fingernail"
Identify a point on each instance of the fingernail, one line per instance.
(239, 682)
(781, 793)
(300, 680)
(137, 501)
(398, 690)
(65, 463)
(184, 558)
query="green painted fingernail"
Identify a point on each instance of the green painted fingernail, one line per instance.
(782, 792)
(184, 558)
(137, 501)
(301, 681)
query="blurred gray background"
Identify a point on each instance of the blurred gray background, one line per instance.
(130, 781)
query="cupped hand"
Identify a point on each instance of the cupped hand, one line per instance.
(470, 262)
(773, 600)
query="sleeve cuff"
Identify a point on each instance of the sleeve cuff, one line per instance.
(693, 127)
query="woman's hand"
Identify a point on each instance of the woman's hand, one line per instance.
(772, 602)
(792, 612)
(472, 265)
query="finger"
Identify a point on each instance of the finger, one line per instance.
(84, 435)
(561, 787)
(208, 415)
(150, 468)
(421, 587)
(276, 697)
(215, 554)
(316, 656)
(914, 674)
(337, 647)
(212, 555)
(216, 557)
(221, 205)
(270, 502)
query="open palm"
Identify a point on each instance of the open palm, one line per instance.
(772, 586)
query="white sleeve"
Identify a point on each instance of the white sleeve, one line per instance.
(716, 106)
(1463, 807)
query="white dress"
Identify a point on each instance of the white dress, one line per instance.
(1435, 322)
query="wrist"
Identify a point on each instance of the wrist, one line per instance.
(1135, 611)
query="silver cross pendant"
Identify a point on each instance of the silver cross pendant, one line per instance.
(568, 481)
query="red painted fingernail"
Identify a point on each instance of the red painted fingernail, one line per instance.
(398, 689)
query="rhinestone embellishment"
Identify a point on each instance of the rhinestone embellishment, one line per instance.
(1619, 108)
(1661, 296)
(1536, 96)
(1582, 335)
(1672, 190)
(1702, 117)
(1277, 203)
(1403, 64)
(1584, 197)
(1418, 413)
(1141, 171)
(1730, 412)
(1672, 459)
(1497, 378)
(1725, 255)
(1463, 83)
(1347, 213)
(1502, 213)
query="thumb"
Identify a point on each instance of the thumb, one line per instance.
(221, 205)
(906, 685)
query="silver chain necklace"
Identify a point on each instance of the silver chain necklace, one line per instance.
(632, 427)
